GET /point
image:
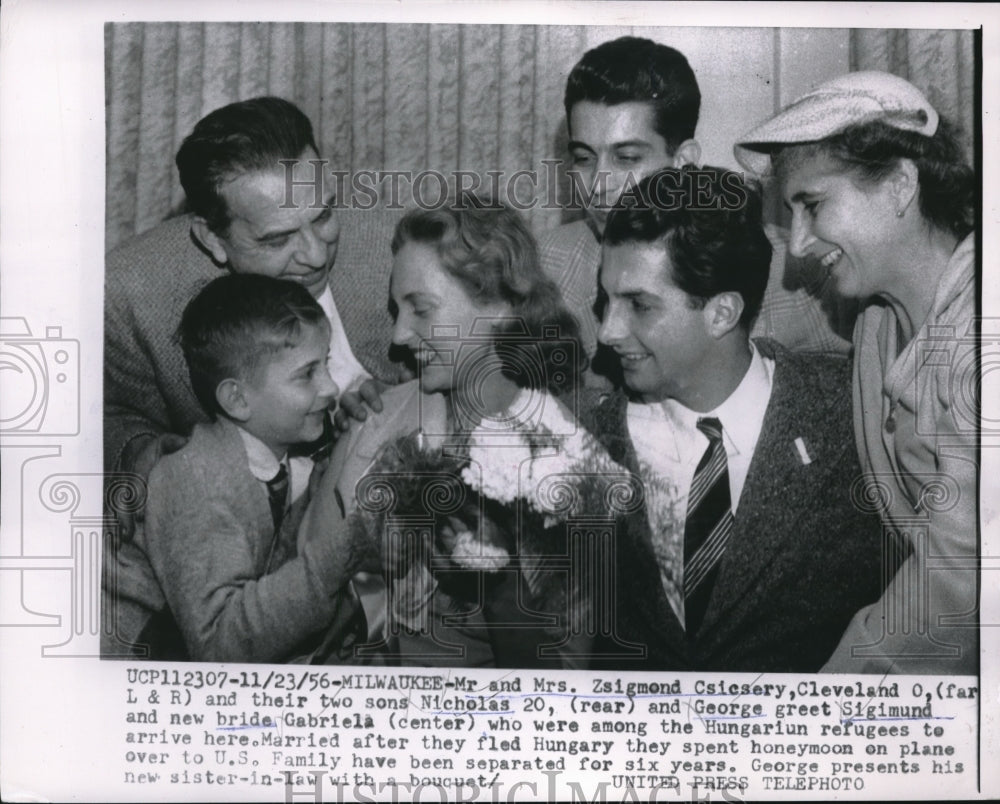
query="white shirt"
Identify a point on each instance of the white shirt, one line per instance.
(264, 466)
(344, 367)
(669, 445)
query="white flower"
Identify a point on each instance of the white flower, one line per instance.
(550, 486)
(542, 475)
(471, 553)
(495, 469)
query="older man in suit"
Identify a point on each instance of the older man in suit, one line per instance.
(747, 553)
(260, 201)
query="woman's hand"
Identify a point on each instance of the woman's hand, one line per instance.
(477, 544)
(447, 534)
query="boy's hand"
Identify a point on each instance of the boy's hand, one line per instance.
(139, 457)
(355, 404)
(316, 476)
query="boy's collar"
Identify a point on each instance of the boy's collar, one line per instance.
(263, 465)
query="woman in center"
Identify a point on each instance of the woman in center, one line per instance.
(492, 345)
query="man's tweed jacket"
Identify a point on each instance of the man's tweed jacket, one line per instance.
(149, 280)
(801, 559)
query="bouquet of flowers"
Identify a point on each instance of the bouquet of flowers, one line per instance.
(499, 494)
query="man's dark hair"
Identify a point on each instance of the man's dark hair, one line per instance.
(709, 222)
(242, 137)
(235, 323)
(634, 69)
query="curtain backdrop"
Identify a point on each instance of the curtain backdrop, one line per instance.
(940, 63)
(381, 97)
(440, 97)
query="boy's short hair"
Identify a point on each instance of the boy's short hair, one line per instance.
(235, 323)
(633, 69)
(709, 221)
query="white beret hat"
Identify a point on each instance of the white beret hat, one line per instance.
(862, 97)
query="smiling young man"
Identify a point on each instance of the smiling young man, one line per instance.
(632, 108)
(748, 553)
(260, 202)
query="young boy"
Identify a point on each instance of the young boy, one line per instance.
(222, 512)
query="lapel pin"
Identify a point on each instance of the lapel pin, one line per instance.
(804, 456)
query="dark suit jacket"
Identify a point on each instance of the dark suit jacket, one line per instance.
(801, 559)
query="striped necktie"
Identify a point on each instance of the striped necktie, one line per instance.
(707, 527)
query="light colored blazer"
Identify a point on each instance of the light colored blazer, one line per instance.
(208, 550)
(927, 469)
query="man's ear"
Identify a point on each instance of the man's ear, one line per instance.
(687, 153)
(209, 240)
(904, 183)
(722, 313)
(229, 394)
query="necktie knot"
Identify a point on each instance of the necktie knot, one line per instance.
(280, 480)
(711, 427)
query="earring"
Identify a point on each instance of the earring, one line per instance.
(899, 213)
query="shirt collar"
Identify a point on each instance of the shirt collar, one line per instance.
(325, 301)
(263, 465)
(741, 414)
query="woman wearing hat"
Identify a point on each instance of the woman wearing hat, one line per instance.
(880, 196)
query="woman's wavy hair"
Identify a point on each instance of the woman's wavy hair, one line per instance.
(871, 151)
(488, 248)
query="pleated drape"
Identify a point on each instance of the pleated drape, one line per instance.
(381, 97)
(940, 63)
(479, 98)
